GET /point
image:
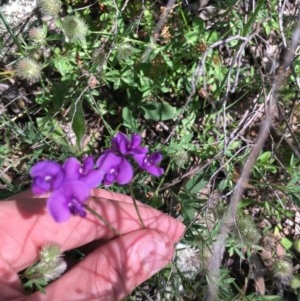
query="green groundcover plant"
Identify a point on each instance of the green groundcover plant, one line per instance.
(87, 85)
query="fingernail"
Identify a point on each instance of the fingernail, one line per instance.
(155, 253)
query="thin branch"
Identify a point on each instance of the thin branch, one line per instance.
(159, 25)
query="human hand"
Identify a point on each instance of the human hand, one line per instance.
(110, 271)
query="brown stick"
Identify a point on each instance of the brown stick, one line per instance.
(229, 220)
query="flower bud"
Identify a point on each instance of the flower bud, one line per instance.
(28, 69)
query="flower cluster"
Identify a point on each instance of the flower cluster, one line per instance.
(115, 165)
(69, 184)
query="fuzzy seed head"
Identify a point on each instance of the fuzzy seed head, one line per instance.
(37, 34)
(55, 270)
(295, 282)
(181, 158)
(50, 252)
(98, 56)
(74, 28)
(50, 7)
(297, 245)
(283, 270)
(28, 69)
(247, 231)
(50, 266)
(188, 260)
(125, 51)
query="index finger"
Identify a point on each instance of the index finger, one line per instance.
(25, 225)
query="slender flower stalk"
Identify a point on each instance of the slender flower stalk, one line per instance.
(162, 180)
(136, 206)
(103, 220)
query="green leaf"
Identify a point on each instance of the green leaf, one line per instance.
(50, 128)
(129, 119)
(195, 184)
(265, 157)
(286, 243)
(78, 123)
(245, 203)
(63, 65)
(158, 111)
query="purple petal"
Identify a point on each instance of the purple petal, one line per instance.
(149, 163)
(47, 175)
(136, 140)
(77, 208)
(135, 145)
(72, 168)
(125, 146)
(88, 165)
(109, 179)
(154, 170)
(108, 160)
(77, 190)
(68, 200)
(44, 168)
(58, 180)
(125, 172)
(139, 159)
(57, 206)
(120, 143)
(155, 158)
(93, 179)
(39, 186)
(138, 151)
(115, 168)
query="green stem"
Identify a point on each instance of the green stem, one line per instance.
(102, 219)
(136, 206)
(11, 33)
(162, 180)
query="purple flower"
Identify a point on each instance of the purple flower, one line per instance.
(121, 144)
(115, 168)
(68, 200)
(84, 172)
(47, 176)
(149, 163)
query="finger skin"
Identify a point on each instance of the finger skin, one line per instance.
(112, 271)
(25, 226)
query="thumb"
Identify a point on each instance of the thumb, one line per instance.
(113, 270)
